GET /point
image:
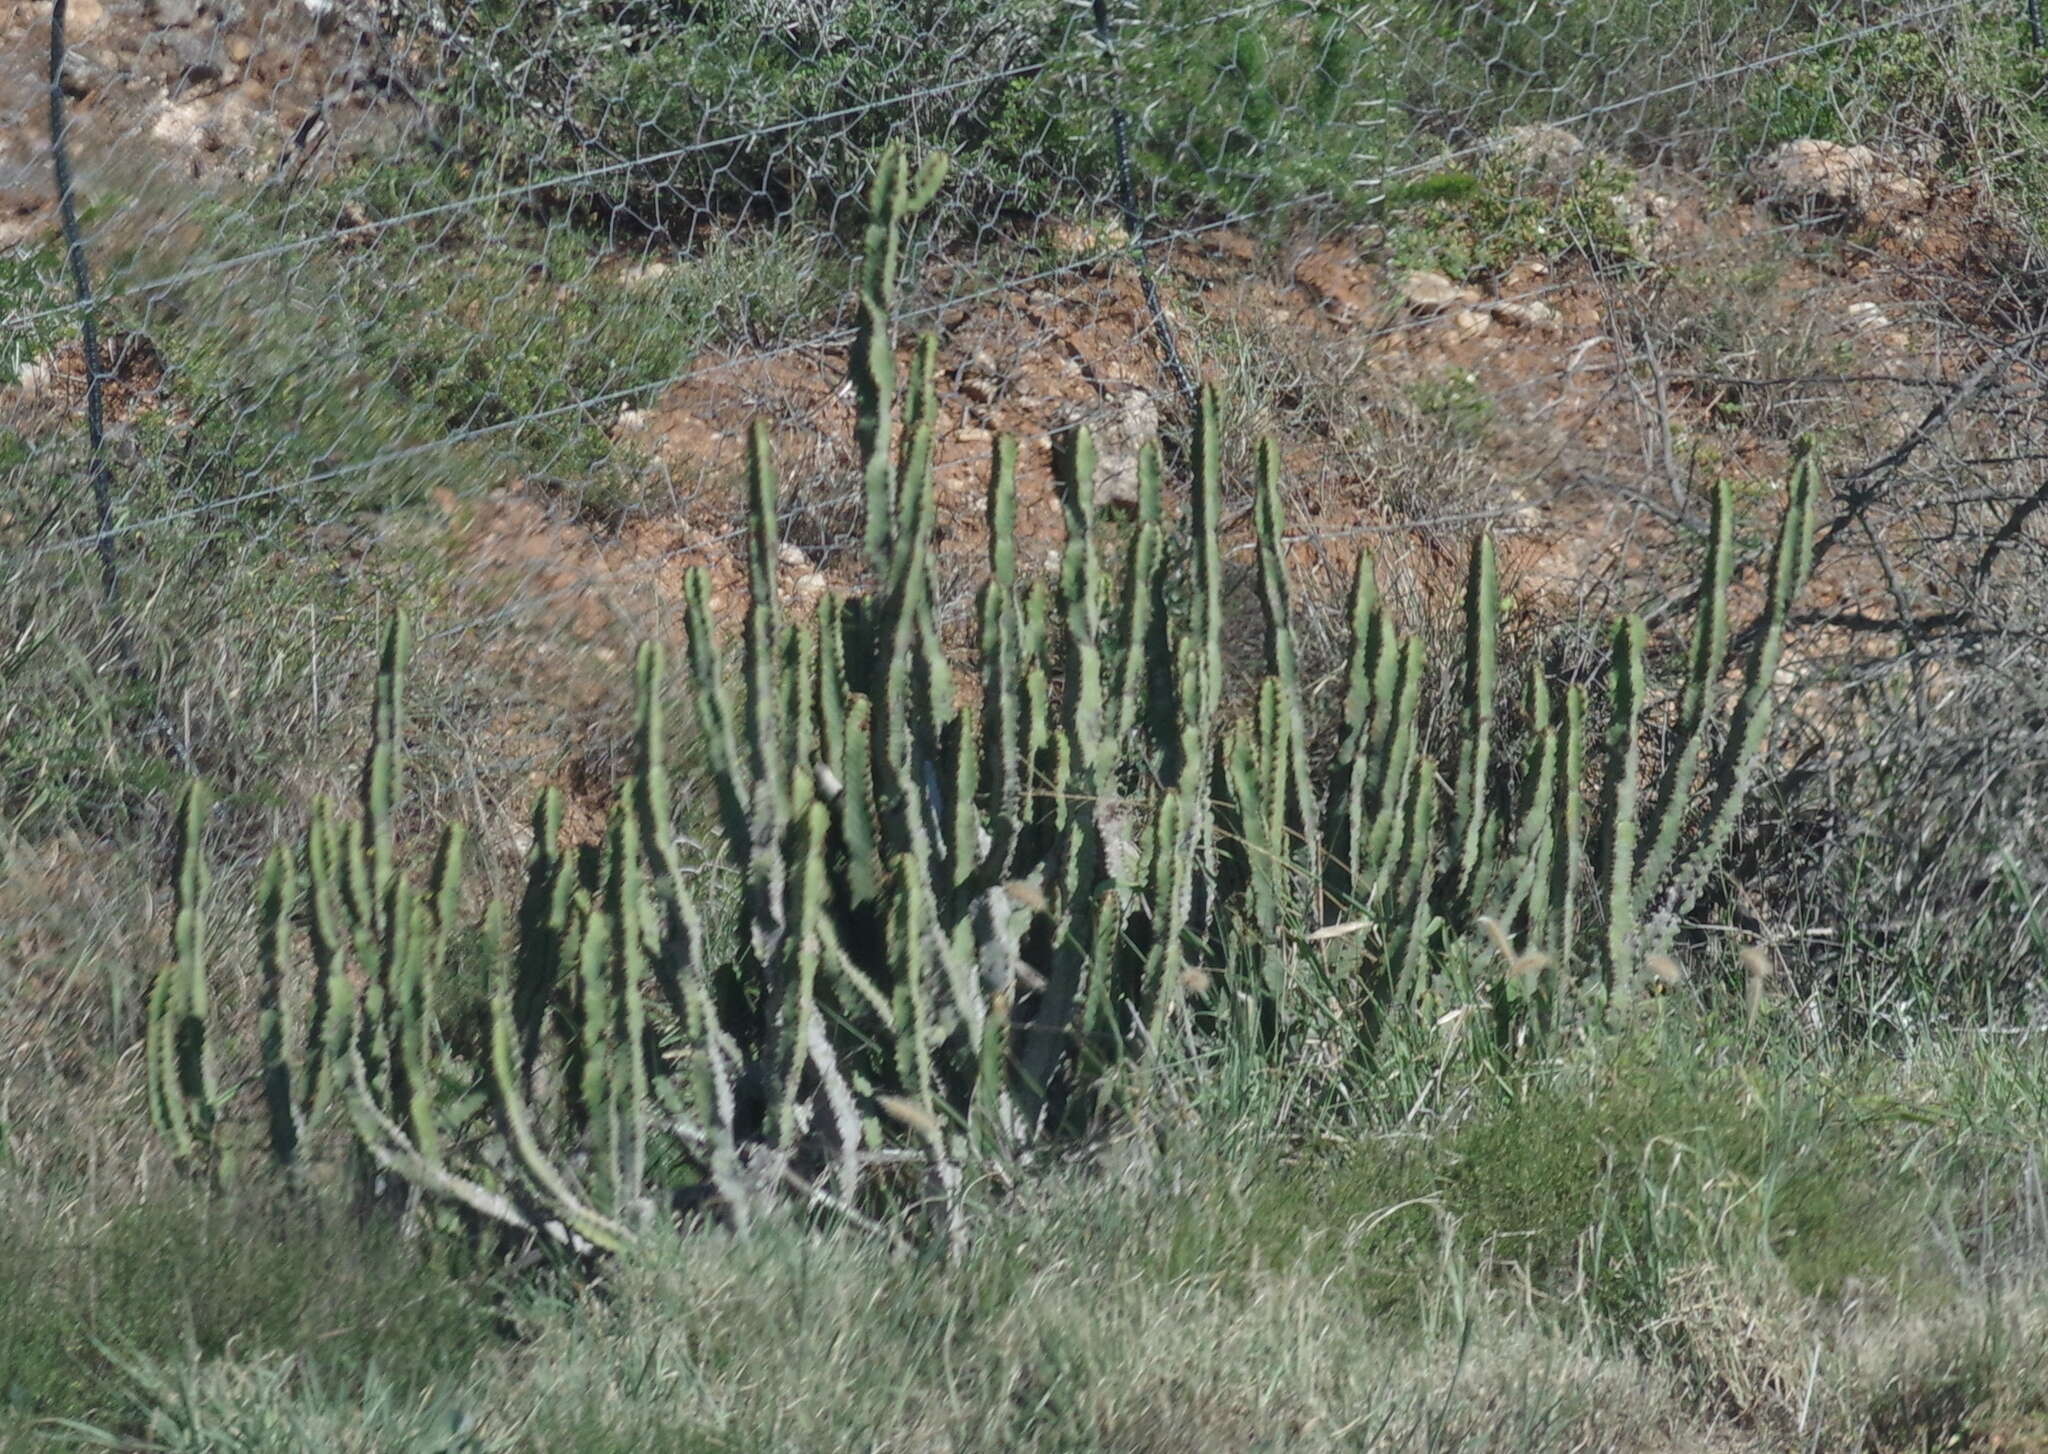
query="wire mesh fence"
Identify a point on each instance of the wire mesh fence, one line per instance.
(466, 308)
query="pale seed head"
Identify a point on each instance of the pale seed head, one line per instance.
(910, 1113)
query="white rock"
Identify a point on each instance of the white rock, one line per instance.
(1812, 170)
(1471, 322)
(1548, 152)
(1536, 315)
(36, 379)
(1133, 422)
(641, 275)
(793, 556)
(1432, 292)
(1891, 193)
(1811, 173)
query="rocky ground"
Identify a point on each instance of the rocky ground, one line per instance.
(178, 94)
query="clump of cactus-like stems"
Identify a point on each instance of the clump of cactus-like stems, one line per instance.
(954, 925)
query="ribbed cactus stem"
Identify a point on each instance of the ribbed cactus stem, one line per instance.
(718, 730)
(1294, 807)
(1004, 771)
(179, 1061)
(1567, 854)
(548, 1182)
(766, 783)
(894, 198)
(1410, 911)
(623, 1030)
(1161, 989)
(672, 925)
(1742, 751)
(331, 1025)
(1081, 597)
(1673, 804)
(408, 997)
(1481, 683)
(1617, 856)
(1535, 821)
(383, 771)
(874, 350)
(805, 949)
(1080, 778)
(1136, 678)
(543, 925)
(1394, 781)
(1205, 512)
(909, 966)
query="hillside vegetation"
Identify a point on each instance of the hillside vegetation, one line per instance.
(1006, 726)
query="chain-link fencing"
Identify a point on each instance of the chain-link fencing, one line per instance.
(466, 309)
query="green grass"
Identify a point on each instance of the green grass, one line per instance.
(1479, 225)
(185, 1279)
(1673, 1242)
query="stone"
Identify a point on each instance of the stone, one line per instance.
(1811, 175)
(82, 18)
(1864, 317)
(1089, 239)
(1471, 322)
(239, 48)
(1811, 170)
(642, 275)
(82, 75)
(1432, 292)
(185, 58)
(1132, 423)
(1638, 211)
(1549, 153)
(793, 556)
(1537, 315)
(36, 380)
(1890, 194)
(174, 14)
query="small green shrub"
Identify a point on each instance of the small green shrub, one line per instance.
(739, 107)
(29, 283)
(1455, 402)
(1478, 225)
